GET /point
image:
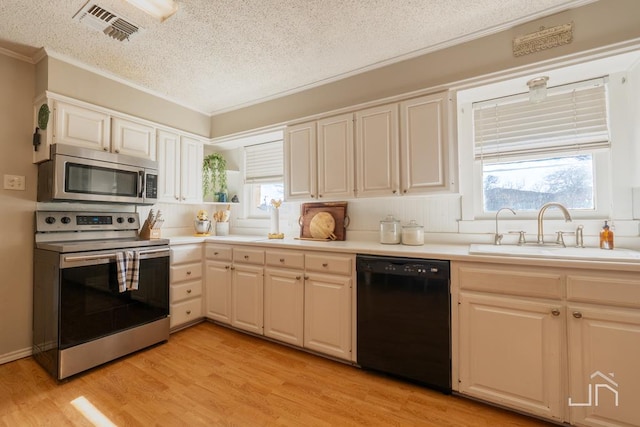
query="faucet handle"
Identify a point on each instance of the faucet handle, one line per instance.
(521, 238)
(560, 237)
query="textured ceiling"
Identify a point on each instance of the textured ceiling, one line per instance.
(218, 55)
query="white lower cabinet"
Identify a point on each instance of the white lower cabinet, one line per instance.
(299, 298)
(603, 330)
(284, 305)
(559, 343)
(510, 352)
(234, 286)
(186, 285)
(327, 314)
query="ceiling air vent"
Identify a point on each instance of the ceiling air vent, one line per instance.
(100, 19)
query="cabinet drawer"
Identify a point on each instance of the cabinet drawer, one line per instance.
(287, 259)
(221, 253)
(185, 312)
(248, 256)
(186, 253)
(184, 272)
(334, 264)
(531, 282)
(621, 289)
(186, 290)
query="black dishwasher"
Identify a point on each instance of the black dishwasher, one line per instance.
(404, 318)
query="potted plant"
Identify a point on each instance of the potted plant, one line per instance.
(214, 176)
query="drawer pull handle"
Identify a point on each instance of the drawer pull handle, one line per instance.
(188, 311)
(577, 314)
(324, 264)
(298, 277)
(306, 277)
(216, 253)
(233, 268)
(246, 257)
(188, 291)
(281, 259)
(189, 273)
(555, 312)
(226, 267)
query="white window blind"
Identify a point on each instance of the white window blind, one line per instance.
(264, 162)
(572, 117)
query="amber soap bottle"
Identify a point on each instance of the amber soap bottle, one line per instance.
(606, 237)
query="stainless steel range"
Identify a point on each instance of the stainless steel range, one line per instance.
(82, 317)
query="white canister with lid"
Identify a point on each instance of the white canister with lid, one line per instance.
(413, 234)
(390, 231)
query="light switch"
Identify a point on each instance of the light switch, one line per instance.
(14, 182)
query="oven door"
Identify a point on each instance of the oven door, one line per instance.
(91, 305)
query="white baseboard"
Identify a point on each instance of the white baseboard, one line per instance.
(15, 355)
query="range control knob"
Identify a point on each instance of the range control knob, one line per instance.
(50, 220)
(120, 220)
(65, 220)
(131, 220)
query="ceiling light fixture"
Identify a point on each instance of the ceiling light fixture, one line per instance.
(159, 9)
(538, 89)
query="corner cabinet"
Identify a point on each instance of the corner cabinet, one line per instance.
(180, 168)
(319, 159)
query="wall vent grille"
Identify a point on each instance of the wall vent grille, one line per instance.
(100, 19)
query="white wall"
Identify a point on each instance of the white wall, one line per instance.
(16, 208)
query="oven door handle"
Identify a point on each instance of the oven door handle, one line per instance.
(111, 256)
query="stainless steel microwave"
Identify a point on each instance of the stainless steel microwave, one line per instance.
(76, 174)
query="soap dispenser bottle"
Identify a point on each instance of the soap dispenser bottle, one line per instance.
(606, 237)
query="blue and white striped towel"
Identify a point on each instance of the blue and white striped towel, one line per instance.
(128, 270)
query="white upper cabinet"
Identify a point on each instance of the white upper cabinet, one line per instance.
(81, 126)
(335, 157)
(377, 151)
(179, 168)
(133, 138)
(424, 143)
(319, 159)
(300, 160)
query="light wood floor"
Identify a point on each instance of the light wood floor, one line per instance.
(210, 375)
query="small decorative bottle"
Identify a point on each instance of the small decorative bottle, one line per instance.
(606, 237)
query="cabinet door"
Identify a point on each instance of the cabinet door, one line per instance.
(327, 315)
(300, 161)
(510, 352)
(377, 147)
(284, 305)
(604, 377)
(191, 153)
(335, 157)
(247, 298)
(133, 139)
(81, 126)
(218, 291)
(424, 143)
(168, 149)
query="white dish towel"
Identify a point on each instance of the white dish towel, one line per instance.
(128, 270)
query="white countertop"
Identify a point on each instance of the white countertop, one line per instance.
(445, 251)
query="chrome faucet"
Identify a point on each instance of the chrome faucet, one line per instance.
(543, 209)
(497, 238)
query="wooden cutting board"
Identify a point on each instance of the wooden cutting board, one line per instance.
(337, 210)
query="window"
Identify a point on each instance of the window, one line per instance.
(528, 154)
(264, 171)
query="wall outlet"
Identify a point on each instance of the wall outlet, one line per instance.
(14, 182)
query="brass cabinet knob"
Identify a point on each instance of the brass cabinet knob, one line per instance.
(577, 314)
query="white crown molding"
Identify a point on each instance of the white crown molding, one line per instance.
(18, 56)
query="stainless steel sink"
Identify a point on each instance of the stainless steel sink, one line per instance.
(556, 251)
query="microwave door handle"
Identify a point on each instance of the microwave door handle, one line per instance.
(141, 184)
